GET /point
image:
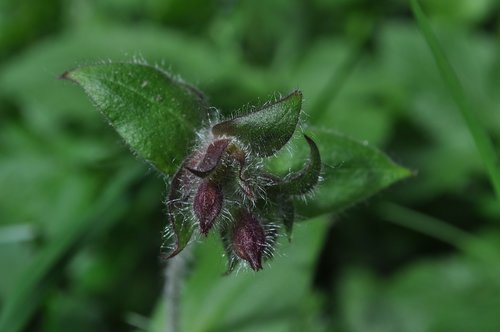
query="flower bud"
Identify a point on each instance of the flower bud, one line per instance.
(207, 204)
(211, 158)
(249, 240)
(226, 170)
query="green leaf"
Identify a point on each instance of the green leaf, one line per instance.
(352, 171)
(155, 114)
(268, 129)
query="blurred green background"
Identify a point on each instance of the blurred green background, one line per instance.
(80, 217)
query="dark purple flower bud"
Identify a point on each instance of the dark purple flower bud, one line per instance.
(249, 240)
(210, 159)
(207, 204)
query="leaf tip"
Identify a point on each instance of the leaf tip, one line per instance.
(293, 101)
(406, 172)
(69, 75)
(65, 76)
(297, 94)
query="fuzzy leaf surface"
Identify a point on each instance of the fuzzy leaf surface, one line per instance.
(352, 171)
(302, 182)
(153, 112)
(268, 129)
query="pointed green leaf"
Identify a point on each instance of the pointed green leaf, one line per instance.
(352, 171)
(154, 113)
(268, 129)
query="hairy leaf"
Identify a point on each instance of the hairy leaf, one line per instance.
(180, 228)
(352, 171)
(268, 129)
(154, 113)
(302, 182)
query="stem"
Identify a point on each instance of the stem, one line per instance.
(427, 225)
(175, 272)
(469, 244)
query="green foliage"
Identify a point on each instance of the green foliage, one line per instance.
(34, 285)
(267, 130)
(460, 291)
(154, 113)
(352, 171)
(158, 117)
(365, 70)
(481, 139)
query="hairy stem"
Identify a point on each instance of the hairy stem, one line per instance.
(175, 272)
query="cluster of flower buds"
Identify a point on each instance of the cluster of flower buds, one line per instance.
(222, 186)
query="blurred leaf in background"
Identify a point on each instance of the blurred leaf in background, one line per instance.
(365, 71)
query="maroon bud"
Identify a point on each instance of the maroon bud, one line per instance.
(210, 159)
(249, 240)
(207, 204)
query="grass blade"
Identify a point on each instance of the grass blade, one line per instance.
(481, 139)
